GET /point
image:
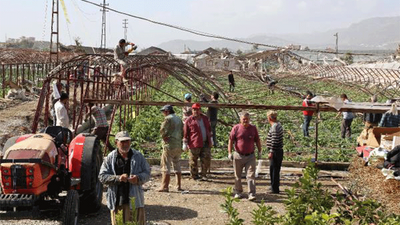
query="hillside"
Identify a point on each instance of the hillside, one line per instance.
(380, 33)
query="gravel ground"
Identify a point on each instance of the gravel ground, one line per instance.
(198, 204)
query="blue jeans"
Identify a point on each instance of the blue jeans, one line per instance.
(306, 124)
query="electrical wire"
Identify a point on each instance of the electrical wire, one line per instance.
(45, 20)
(79, 12)
(204, 34)
(85, 13)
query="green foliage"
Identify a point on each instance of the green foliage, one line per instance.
(145, 127)
(307, 197)
(119, 216)
(348, 58)
(309, 204)
(320, 219)
(264, 215)
(365, 212)
(228, 208)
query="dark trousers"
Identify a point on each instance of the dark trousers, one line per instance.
(306, 124)
(275, 170)
(213, 130)
(346, 128)
(231, 87)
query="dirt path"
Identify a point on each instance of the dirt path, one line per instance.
(199, 203)
(15, 118)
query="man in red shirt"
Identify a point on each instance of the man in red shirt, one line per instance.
(307, 114)
(244, 135)
(197, 135)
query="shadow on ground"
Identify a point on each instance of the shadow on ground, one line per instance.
(160, 212)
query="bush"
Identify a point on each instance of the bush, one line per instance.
(309, 204)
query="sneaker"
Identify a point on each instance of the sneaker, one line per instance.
(238, 196)
(195, 177)
(252, 197)
(204, 179)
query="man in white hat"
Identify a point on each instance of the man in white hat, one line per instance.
(125, 170)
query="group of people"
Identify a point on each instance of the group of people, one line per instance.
(348, 117)
(125, 169)
(389, 119)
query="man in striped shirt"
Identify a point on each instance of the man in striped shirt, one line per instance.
(275, 147)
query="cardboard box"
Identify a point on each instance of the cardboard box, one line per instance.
(386, 141)
(374, 138)
(396, 141)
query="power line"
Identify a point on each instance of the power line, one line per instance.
(204, 34)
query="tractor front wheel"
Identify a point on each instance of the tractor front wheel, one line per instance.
(71, 208)
(91, 199)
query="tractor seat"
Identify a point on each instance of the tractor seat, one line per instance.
(60, 134)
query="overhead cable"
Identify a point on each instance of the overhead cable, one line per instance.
(204, 34)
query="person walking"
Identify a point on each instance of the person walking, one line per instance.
(231, 81)
(197, 136)
(347, 119)
(275, 147)
(307, 113)
(244, 136)
(125, 170)
(212, 114)
(62, 118)
(172, 133)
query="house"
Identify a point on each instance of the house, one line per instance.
(214, 60)
(153, 51)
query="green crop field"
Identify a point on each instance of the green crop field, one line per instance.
(145, 127)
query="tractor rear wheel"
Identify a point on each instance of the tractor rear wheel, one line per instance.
(91, 199)
(71, 208)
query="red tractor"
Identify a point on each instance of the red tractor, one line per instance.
(51, 168)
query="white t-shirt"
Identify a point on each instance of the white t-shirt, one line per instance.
(61, 114)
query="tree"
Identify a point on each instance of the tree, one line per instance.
(348, 58)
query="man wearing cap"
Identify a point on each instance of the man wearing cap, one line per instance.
(120, 54)
(275, 147)
(125, 170)
(244, 135)
(172, 133)
(197, 135)
(187, 110)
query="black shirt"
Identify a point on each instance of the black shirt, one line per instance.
(212, 112)
(123, 166)
(231, 78)
(372, 117)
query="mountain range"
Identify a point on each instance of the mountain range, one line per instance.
(380, 33)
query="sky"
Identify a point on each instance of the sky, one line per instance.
(231, 18)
